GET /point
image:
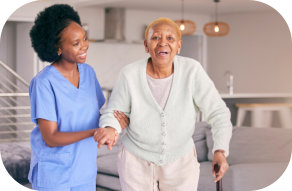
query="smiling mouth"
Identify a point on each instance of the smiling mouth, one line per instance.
(162, 53)
(83, 55)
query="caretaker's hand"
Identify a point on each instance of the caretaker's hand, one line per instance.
(122, 118)
(220, 159)
(107, 136)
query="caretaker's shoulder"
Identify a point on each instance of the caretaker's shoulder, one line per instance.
(86, 68)
(44, 74)
(42, 78)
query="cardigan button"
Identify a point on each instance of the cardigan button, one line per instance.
(163, 133)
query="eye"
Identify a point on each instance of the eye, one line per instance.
(76, 44)
(155, 38)
(170, 38)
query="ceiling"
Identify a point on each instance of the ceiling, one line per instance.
(190, 6)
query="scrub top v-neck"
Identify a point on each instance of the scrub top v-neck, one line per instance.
(62, 78)
(54, 98)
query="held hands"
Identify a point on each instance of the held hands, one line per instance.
(220, 159)
(106, 136)
(109, 136)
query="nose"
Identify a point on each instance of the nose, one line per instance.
(163, 41)
(85, 45)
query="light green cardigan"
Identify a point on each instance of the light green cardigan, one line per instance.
(162, 136)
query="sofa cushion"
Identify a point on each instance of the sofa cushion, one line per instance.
(202, 150)
(107, 182)
(200, 141)
(16, 159)
(200, 131)
(206, 180)
(253, 176)
(103, 151)
(107, 163)
(253, 145)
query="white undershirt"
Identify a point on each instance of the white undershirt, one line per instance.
(160, 89)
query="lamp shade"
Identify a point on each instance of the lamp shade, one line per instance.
(216, 29)
(189, 27)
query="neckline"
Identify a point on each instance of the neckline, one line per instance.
(167, 78)
(172, 89)
(66, 80)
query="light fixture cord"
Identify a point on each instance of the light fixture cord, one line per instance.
(216, 11)
(182, 10)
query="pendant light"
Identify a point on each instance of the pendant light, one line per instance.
(216, 28)
(187, 27)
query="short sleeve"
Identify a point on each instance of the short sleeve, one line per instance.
(100, 96)
(42, 100)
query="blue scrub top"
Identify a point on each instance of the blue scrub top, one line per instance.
(54, 98)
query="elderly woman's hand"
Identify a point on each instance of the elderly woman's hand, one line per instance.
(122, 118)
(220, 159)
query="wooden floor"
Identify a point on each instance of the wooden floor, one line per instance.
(97, 189)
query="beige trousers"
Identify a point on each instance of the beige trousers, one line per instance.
(137, 174)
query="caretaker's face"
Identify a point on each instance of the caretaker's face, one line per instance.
(73, 44)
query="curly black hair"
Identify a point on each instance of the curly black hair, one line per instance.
(45, 34)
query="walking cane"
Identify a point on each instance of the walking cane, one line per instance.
(218, 183)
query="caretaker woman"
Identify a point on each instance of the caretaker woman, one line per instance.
(65, 102)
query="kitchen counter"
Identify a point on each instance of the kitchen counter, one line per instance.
(232, 100)
(256, 95)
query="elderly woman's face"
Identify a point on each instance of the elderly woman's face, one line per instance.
(162, 43)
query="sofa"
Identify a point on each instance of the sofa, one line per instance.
(258, 157)
(16, 159)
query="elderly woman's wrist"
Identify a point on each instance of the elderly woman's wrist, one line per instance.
(115, 131)
(220, 151)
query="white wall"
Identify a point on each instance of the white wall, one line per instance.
(108, 58)
(257, 51)
(7, 50)
(29, 11)
(136, 20)
(24, 53)
(8, 44)
(94, 18)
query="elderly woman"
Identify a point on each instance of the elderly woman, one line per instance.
(161, 95)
